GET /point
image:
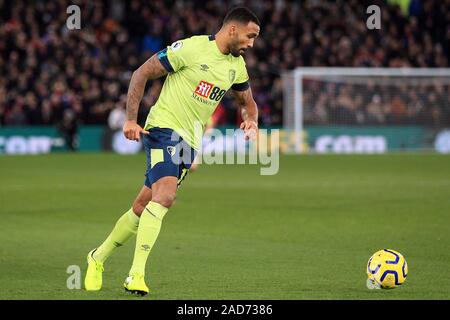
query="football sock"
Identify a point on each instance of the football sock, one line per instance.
(125, 227)
(149, 226)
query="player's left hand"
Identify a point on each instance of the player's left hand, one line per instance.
(250, 128)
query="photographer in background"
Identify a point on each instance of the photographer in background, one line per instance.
(69, 129)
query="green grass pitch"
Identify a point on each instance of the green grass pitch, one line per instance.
(305, 233)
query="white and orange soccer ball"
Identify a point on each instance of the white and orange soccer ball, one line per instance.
(386, 269)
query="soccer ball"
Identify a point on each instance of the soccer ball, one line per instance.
(386, 269)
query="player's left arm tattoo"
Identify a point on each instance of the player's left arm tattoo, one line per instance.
(247, 105)
(150, 70)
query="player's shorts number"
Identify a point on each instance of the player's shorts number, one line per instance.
(216, 94)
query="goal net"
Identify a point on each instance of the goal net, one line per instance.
(366, 110)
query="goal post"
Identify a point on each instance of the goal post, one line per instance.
(366, 110)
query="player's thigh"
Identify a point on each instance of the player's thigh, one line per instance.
(142, 199)
(164, 190)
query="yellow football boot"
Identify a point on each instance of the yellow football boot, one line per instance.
(93, 279)
(135, 284)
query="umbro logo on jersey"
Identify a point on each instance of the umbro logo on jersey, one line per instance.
(204, 67)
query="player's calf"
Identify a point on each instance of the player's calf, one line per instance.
(141, 201)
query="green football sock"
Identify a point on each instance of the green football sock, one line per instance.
(125, 227)
(149, 226)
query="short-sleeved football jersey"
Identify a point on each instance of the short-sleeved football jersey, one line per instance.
(199, 76)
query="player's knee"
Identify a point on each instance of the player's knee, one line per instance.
(166, 199)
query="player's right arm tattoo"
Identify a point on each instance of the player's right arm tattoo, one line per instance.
(151, 69)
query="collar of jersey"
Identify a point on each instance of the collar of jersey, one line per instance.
(212, 37)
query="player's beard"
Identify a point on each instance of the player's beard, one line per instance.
(235, 53)
(235, 50)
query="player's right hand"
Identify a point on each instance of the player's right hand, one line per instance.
(132, 130)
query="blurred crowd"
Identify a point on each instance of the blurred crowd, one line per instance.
(377, 101)
(48, 70)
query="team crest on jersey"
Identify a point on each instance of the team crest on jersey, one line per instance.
(232, 75)
(176, 45)
(171, 150)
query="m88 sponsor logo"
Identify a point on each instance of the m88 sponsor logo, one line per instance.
(209, 91)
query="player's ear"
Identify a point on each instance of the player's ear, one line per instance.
(232, 30)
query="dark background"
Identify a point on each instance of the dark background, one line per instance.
(47, 69)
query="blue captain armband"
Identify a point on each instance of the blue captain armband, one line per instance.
(162, 57)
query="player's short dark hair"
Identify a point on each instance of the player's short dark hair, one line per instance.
(242, 15)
